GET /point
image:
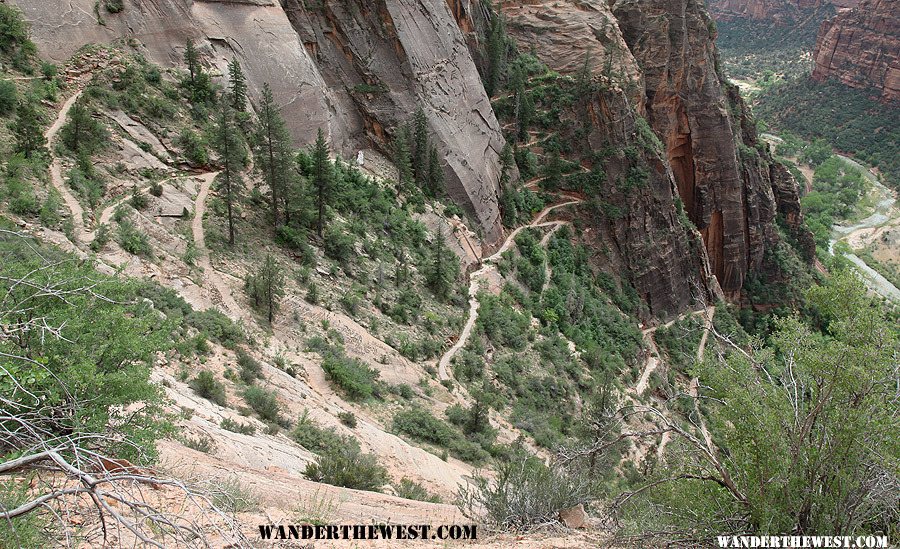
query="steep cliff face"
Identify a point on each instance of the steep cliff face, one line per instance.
(722, 176)
(384, 59)
(644, 237)
(861, 48)
(355, 69)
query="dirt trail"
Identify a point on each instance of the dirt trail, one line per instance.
(235, 311)
(56, 169)
(488, 265)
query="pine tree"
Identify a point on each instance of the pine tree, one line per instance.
(228, 145)
(402, 157)
(238, 86)
(497, 49)
(192, 60)
(266, 286)
(82, 134)
(272, 143)
(442, 267)
(507, 160)
(435, 178)
(322, 173)
(420, 148)
(27, 130)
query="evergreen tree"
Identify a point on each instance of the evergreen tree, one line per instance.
(524, 112)
(228, 145)
(27, 130)
(442, 267)
(273, 153)
(238, 86)
(497, 49)
(507, 160)
(322, 174)
(266, 286)
(553, 171)
(82, 134)
(420, 148)
(192, 61)
(435, 179)
(402, 157)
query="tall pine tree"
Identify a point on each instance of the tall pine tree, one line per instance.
(442, 267)
(237, 86)
(226, 141)
(435, 178)
(192, 61)
(403, 158)
(273, 155)
(27, 129)
(420, 148)
(321, 178)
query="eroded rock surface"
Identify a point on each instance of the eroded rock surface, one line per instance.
(861, 48)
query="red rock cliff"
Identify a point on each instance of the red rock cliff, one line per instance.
(778, 11)
(861, 48)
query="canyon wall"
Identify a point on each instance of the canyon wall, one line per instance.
(861, 48)
(356, 69)
(359, 68)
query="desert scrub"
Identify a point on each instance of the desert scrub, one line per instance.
(207, 386)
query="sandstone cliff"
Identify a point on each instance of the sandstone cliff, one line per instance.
(861, 48)
(356, 69)
(721, 175)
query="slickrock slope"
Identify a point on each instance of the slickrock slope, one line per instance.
(354, 69)
(861, 48)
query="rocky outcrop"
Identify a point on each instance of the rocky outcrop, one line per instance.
(353, 68)
(568, 34)
(722, 176)
(861, 48)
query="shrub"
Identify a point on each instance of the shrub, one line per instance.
(421, 425)
(133, 240)
(194, 147)
(138, 199)
(338, 243)
(348, 419)
(347, 466)
(237, 427)
(156, 189)
(316, 439)
(114, 6)
(207, 386)
(297, 241)
(28, 530)
(248, 367)
(263, 402)
(409, 489)
(232, 496)
(216, 326)
(202, 443)
(352, 375)
(8, 97)
(525, 494)
(101, 237)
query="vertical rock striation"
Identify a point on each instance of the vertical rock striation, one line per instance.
(861, 48)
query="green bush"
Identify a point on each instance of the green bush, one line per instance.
(421, 425)
(114, 6)
(409, 489)
(249, 368)
(338, 243)
(263, 402)
(353, 376)
(316, 439)
(523, 494)
(194, 147)
(9, 97)
(237, 427)
(347, 466)
(207, 386)
(132, 240)
(348, 419)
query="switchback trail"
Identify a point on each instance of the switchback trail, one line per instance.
(489, 265)
(56, 170)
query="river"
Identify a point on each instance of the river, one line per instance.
(885, 211)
